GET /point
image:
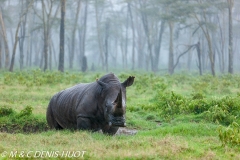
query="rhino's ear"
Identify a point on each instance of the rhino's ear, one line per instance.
(129, 81)
(102, 84)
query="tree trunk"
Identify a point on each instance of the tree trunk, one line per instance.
(133, 33)
(146, 29)
(83, 39)
(199, 58)
(106, 43)
(54, 53)
(61, 52)
(170, 56)
(72, 51)
(22, 37)
(31, 41)
(140, 45)
(50, 57)
(50, 23)
(189, 61)
(221, 45)
(230, 45)
(125, 65)
(100, 45)
(122, 51)
(45, 34)
(21, 42)
(222, 58)
(28, 46)
(41, 58)
(47, 24)
(84, 64)
(211, 54)
(209, 43)
(16, 37)
(115, 58)
(6, 48)
(37, 47)
(30, 50)
(15, 46)
(0, 53)
(158, 46)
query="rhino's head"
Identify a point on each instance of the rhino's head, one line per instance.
(114, 103)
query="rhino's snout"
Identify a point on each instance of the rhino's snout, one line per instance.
(117, 121)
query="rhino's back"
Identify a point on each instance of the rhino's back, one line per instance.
(64, 104)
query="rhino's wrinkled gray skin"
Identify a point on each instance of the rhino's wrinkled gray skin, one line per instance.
(91, 106)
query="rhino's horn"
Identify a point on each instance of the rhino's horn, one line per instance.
(119, 99)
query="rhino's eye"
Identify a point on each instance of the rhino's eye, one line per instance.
(108, 107)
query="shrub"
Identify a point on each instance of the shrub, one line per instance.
(170, 103)
(5, 111)
(201, 86)
(27, 111)
(230, 135)
(22, 122)
(197, 106)
(220, 115)
(197, 96)
(223, 111)
(160, 86)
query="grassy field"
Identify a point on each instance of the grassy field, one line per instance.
(176, 117)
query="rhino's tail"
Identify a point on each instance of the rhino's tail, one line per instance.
(52, 123)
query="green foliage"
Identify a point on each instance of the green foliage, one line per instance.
(230, 135)
(219, 115)
(22, 122)
(27, 111)
(197, 96)
(170, 113)
(197, 106)
(144, 82)
(150, 117)
(224, 110)
(5, 111)
(201, 86)
(159, 85)
(39, 78)
(170, 103)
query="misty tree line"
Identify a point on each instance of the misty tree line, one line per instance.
(150, 35)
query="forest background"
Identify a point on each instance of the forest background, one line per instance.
(152, 35)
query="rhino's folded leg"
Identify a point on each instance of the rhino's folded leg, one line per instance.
(83, 123)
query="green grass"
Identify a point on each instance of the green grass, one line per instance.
(177, 117)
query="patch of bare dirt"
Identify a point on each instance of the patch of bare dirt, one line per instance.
(126, 131)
